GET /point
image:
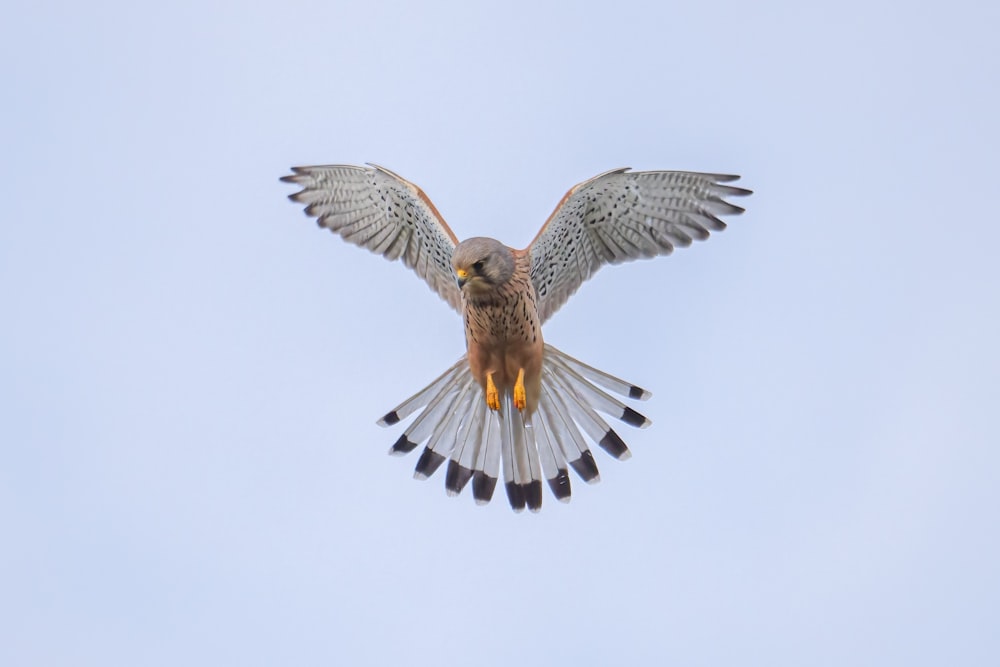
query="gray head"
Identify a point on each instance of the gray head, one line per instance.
(482, 265)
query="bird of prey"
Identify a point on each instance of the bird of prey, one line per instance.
(512, 401)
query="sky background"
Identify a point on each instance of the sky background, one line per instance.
(190, 371)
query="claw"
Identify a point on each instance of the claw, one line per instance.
(520, 395)
(492, 395)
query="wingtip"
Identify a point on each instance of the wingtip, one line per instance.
(725, 178)
(296, 175)
(732, 191)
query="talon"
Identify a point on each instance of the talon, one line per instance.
(520, 395)
(492, 395)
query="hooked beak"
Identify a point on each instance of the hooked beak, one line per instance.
(463, 277)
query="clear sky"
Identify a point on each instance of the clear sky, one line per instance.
(190, 370)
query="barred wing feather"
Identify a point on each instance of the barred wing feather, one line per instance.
(619, 216)
(376, 209)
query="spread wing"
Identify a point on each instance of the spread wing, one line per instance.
(378, 210)
(620, 216)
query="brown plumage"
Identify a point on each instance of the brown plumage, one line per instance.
(503, 334)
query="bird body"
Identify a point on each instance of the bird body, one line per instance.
(503, 334)
(514, 402)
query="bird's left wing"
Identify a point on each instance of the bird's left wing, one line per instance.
(620, 216)
(376, 209)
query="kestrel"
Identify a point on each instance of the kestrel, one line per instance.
(512, 397)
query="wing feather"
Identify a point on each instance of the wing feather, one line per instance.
(376, 209)
(619, 216)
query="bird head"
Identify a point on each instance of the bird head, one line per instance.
(481, 265)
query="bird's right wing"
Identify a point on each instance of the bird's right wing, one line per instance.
(376, 209)
(619, 216)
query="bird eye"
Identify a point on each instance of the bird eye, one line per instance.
(478, 266)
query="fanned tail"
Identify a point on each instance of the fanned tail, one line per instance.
(454, 424)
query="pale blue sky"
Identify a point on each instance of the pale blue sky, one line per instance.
(190, 371)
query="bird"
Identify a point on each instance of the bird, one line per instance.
(514, 402)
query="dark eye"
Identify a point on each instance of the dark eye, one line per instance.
(478, 266)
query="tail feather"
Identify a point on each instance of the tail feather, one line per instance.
(596, 397)
(593, 425)
(484, 479)
(511, 473)
(466, 456)
(444, 437)
(428, 463)
(427, 421)
(422, 397)
(457, 426)
(518, 443)
(456, 477)
(601, 378)
(567, 434)
(553, 460)
(468, 441)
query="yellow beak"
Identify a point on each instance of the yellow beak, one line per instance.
(463, 276)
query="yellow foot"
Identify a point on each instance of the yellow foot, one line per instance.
(492, 395)
(520, 395)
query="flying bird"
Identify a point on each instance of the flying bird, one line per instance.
(512, 401)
